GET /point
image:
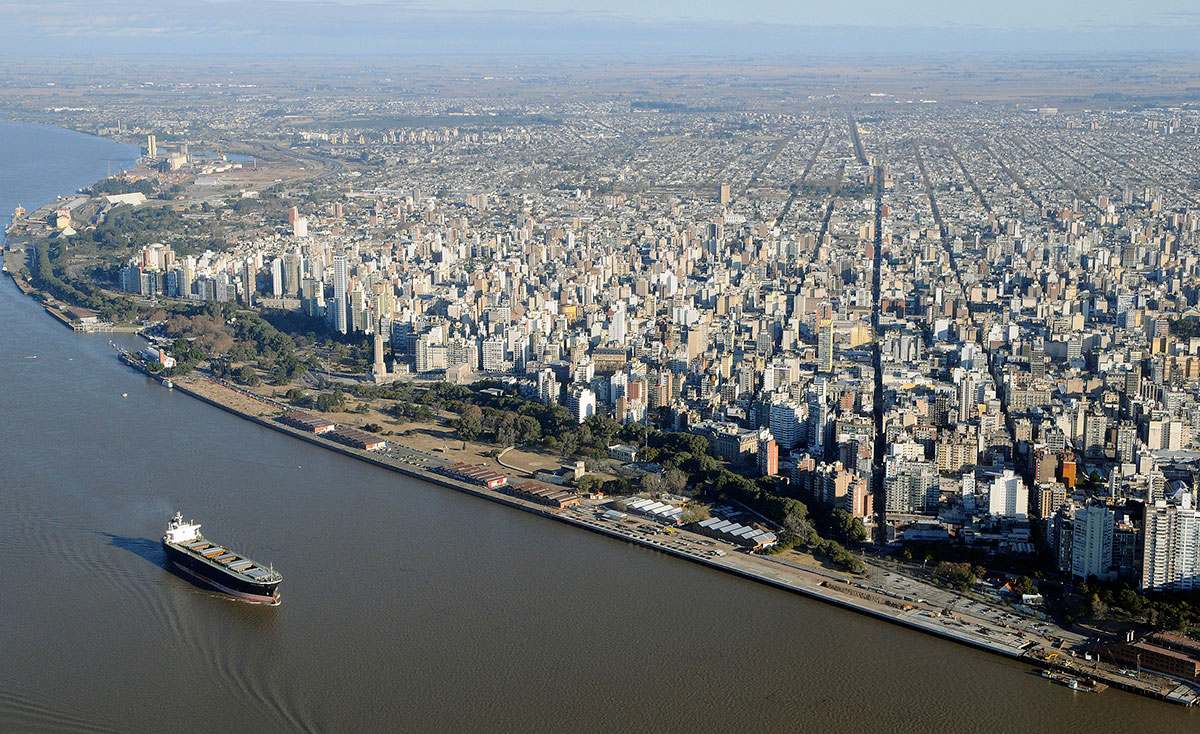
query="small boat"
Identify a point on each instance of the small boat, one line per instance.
(1070, 681)
(124, 394)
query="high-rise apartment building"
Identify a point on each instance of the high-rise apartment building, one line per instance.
(1171, 546)
(341, 287)
(825, 346)
(768, 455)
(1092, 542)
(1008, 496)
(581, 401)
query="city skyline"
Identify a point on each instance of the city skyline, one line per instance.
(591, 366)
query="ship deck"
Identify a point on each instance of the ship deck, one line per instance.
(229, 561)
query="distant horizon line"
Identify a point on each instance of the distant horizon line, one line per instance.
(9, 52)
(357, 30)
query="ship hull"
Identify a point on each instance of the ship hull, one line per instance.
(198, 571)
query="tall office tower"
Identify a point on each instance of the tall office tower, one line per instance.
(968, 396)
(341, 286)
(277, 277)
(187, 276)
(1126, 435)
(723, 193)
(1092, 542)
(581, 401)
(293, 268)
(825, 346)
(151, 146)
(910, 485)
(547, 386)
(249, 286)
(785, 419)
(1037, 362)
(1171, 546)
(616, 327)
(293, 215)
(1078, 422)
(697, 340)
(768, 455)
(1008, 495)
(357, 318)
(1095, 432)
(818, 417)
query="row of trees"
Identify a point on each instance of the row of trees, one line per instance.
(504, 427)
(117, 185)
(224, 335)
(327, 401)
(960, 576)
(243, 375)
(1118, 601)
(49, 277)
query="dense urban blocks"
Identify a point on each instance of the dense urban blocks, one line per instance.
(958, 337)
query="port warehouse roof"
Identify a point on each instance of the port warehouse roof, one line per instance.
(657, 510)
(735, 532)
(344, 434)
(307, 421)
(544, 494)
(714, 526)
(356, 438)
(474, 474)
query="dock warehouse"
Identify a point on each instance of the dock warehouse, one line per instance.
(357, 439)
(655, 510)
(307, 422)
(732, 532)
(475, 474)
(543, 494)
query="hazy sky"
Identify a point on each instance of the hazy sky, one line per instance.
(996, 13)
(635, 27)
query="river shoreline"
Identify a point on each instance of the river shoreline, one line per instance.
(748, 567)
(743, 566)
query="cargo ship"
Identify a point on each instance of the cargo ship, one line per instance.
(215, 565)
